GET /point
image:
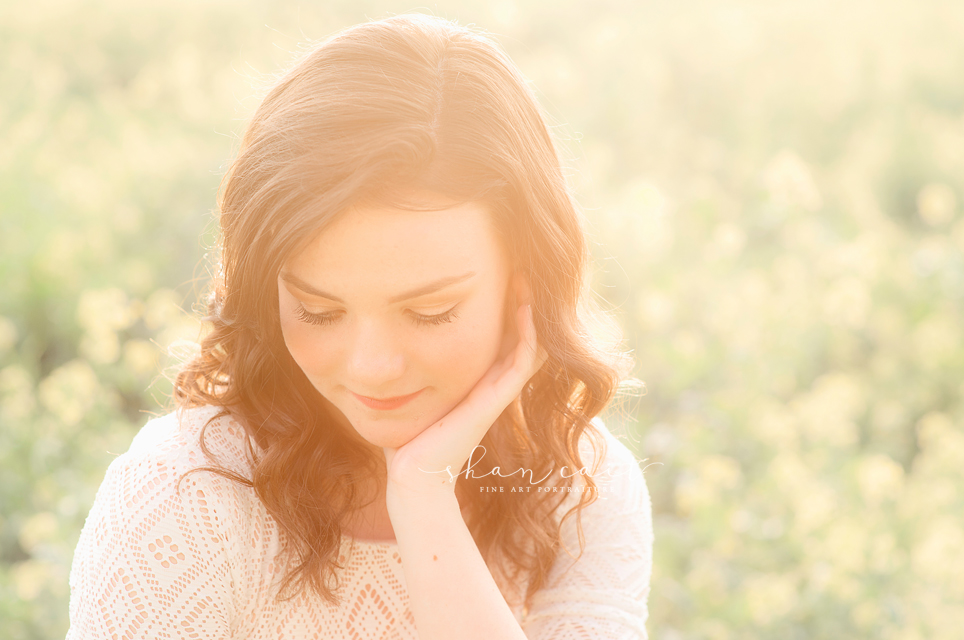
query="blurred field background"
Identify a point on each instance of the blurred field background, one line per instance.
(774, 194)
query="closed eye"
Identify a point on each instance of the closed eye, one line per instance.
(324, 319)
(320, 319)
(441, 318)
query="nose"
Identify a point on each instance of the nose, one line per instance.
(376, 360)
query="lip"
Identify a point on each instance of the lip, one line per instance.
(386, 404)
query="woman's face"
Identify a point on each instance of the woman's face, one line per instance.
(394, 315)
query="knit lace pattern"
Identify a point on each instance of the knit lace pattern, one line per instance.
(204, 561)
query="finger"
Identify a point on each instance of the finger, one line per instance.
(541, 357)
(503, 383)
(527, 352)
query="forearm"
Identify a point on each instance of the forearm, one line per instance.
(452, 594)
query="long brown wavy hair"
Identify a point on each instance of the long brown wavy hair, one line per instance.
(380, 108)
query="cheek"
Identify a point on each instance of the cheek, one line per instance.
(305, 348)
(463, 356)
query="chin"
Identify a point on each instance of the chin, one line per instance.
(385, 434)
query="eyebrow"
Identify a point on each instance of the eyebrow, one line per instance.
(426, 289)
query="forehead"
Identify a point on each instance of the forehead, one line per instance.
(383, 247)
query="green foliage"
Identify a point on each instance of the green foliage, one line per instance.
(773, 190)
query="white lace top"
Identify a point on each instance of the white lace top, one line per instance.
(204, 563)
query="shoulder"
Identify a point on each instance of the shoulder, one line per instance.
(599, 584)
(176, 439)
(162, 476)
(614, 468)
(615, 453)
(165, 533)
(619, 515)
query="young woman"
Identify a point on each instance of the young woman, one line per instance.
(388, 431)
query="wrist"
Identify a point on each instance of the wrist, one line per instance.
(432, 493)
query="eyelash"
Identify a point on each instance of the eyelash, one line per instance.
(324, 319)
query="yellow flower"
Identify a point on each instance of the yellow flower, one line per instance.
(828, 411)
(770, 596)
(879, 478)
(790, 183)
(70, 391)
(936, 204)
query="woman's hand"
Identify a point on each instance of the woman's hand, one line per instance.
(430, 462)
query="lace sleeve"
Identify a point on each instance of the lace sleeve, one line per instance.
(603, 594)
(154, 561)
